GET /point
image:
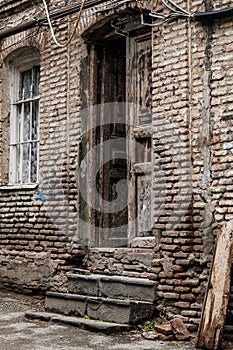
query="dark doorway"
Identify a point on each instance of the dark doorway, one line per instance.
(118, 178)
(111, 180)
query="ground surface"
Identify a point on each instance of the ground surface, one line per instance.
(19, 333)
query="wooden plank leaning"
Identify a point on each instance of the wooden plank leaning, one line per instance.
(217, 294)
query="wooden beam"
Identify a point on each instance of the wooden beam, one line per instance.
(218, 289)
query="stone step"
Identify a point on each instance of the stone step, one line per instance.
(228, 332)
(98, 308)
(79, 322)
(116, 287)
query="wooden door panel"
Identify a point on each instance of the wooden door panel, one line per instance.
(112, 225)
(140, 120)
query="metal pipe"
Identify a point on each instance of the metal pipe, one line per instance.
(213, 15)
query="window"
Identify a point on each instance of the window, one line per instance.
(24, 125)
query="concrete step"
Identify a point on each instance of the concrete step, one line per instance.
(98, 308)
(116, 287)
(90, 325)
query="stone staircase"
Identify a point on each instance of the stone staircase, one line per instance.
(114, 300)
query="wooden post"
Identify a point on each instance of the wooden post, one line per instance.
(217, 295)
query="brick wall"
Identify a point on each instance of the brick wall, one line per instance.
(173, 111)
(192, 91)
(39, 226)
(134, 262)
(222, 122)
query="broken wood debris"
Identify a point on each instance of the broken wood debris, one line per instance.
(218, 289)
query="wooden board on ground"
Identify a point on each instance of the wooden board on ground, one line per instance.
(217, 295)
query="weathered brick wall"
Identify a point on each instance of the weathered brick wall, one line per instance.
(134, 262)
(222, 122)
(180, 248)
(33, 252)
(38, 226)
(18, 12)
(192, 91)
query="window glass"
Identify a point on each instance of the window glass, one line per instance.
(25, 162)
(26, 122)
(26, 85)
(35, 121)
(34, 160)
(36, 81)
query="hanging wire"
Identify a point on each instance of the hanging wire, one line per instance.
(51, 27)
(119, 31)
(175, 6)
(175, 12)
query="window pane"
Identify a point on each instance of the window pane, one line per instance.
(15, 132)
(16, 160)
(142, 78)
(36, 81)
(25, 163)
(35, 124)
(26, 83)
(143, 150)
(26, 122)
(34, 150)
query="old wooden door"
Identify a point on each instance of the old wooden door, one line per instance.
(119, 81)
(140, 121)
(123, 135)
(111, 176)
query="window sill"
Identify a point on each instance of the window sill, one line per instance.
(10, 187)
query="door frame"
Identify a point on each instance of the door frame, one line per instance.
(94, 240)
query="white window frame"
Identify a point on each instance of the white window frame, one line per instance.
(16, 174)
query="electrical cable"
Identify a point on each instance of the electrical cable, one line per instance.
(51, 27)
(213, 15)
(175, 12)
(175, 6)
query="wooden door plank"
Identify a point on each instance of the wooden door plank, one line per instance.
(217, 295)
